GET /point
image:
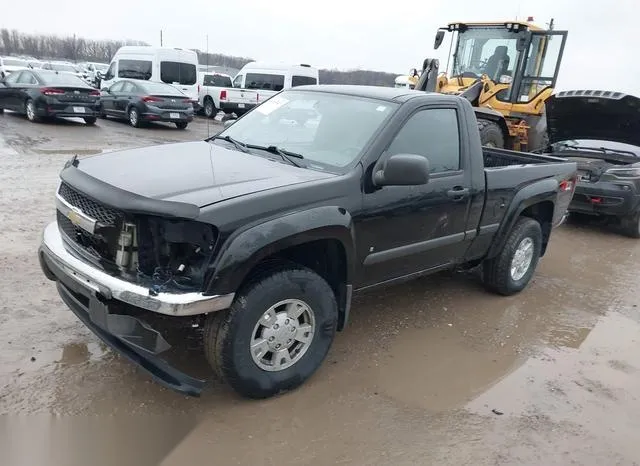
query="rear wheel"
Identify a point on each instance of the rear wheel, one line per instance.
(490, 134)
(276, 333)
(631, 225)
(181, 124)
(30, 111)
(90, 120)
(210, 109)
(134, 117)
(511, 270)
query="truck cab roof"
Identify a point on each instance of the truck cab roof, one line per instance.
(377, 92)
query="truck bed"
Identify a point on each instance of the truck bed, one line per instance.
(507, 172)
(494, 158)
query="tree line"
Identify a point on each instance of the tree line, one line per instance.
(74, 48)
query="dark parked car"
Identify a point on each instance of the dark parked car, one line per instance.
(600, 131)
(141, 102)
(263, 233)
(47, 94)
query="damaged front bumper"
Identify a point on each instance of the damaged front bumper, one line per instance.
(172, 304)
(95, 296)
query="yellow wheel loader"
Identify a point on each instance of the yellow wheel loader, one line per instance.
(506, 70)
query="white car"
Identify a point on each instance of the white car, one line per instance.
(9, 64)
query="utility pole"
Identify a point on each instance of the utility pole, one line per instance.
(160, 37)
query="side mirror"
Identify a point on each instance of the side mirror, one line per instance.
(439, 39)
(403, 170)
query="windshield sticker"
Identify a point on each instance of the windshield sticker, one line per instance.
(381, 108)
(272, 104)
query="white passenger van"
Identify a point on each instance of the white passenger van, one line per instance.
(257, 81)
(275, 76)
(157, 64)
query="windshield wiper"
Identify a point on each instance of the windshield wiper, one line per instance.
(285, 154)
(238, 145)
(604, 150)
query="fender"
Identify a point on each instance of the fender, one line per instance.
(244, 249)
(543, 190)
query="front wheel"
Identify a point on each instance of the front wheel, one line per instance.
(181, 124)
(90, 120)
(511, 270)
(276, 333)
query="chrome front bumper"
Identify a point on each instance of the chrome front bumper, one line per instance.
(55, 260)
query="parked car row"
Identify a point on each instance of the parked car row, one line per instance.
(48, 94)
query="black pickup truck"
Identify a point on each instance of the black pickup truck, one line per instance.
(261, 235)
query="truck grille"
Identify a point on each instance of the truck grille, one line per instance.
(105, 215)
(100, 245)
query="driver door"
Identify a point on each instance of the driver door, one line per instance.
(538, 70)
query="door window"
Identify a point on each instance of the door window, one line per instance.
(270, 82)
(117, 87)
(541, 66)
(302, 81)
(178, 72)
(134, 69)
(13, 77)
(432, 133)
(26, 78)
(127, 87)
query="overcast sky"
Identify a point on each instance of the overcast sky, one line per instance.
(394, 36)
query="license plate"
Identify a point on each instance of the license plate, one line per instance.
(240, 105)
(79, 109)
(174, 115)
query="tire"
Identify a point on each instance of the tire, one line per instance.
(134, 117)
(90, 120)
(1, 111)
(30, 111)
(182, 125)
(490, 134)
(497, 273)
(228, 335)
(631, 225)
(210, 109)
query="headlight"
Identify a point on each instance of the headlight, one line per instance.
(626, 172)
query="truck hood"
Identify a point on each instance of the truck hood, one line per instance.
(198, 173)
(596, 115)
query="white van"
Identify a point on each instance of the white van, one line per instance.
(257, 81)
(158, 64)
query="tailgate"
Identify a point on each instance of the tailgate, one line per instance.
(242, 96)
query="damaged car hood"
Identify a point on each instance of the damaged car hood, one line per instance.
(595, 115)
(198, 173)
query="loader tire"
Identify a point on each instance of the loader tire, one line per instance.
(490, 134)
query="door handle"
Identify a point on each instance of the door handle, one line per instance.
(458, 193)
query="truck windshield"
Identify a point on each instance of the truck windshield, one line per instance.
(490, 51)
(329, 130)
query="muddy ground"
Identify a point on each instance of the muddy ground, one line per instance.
(436, 371)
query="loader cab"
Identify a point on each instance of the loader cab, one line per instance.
(515, 61)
